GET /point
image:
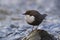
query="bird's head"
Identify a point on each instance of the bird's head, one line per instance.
(27, 12)
(31, 12)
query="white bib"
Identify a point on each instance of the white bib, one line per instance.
(29, 18)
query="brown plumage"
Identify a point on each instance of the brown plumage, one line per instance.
(38, 17)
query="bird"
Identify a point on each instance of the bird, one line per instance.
(34, 18)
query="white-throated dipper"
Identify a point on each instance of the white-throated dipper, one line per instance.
(33, 17)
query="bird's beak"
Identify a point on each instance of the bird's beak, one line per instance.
(24, 14)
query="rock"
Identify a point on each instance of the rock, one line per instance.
(39, 35)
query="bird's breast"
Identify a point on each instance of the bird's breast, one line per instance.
(29, 18)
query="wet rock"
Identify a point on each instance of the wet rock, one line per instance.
(39, 35)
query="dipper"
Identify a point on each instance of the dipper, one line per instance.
(33, 17)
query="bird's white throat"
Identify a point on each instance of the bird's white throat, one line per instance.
(29, 18)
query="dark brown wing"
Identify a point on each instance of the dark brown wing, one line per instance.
(38, 17)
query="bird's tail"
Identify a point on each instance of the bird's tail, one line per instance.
(44, 15)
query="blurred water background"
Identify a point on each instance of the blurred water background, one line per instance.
(13, 25)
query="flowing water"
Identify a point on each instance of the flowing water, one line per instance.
(13, 25)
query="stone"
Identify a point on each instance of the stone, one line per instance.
(39, 35)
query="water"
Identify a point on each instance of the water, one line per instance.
(12, 14)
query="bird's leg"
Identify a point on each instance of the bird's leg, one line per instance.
(35, 27)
